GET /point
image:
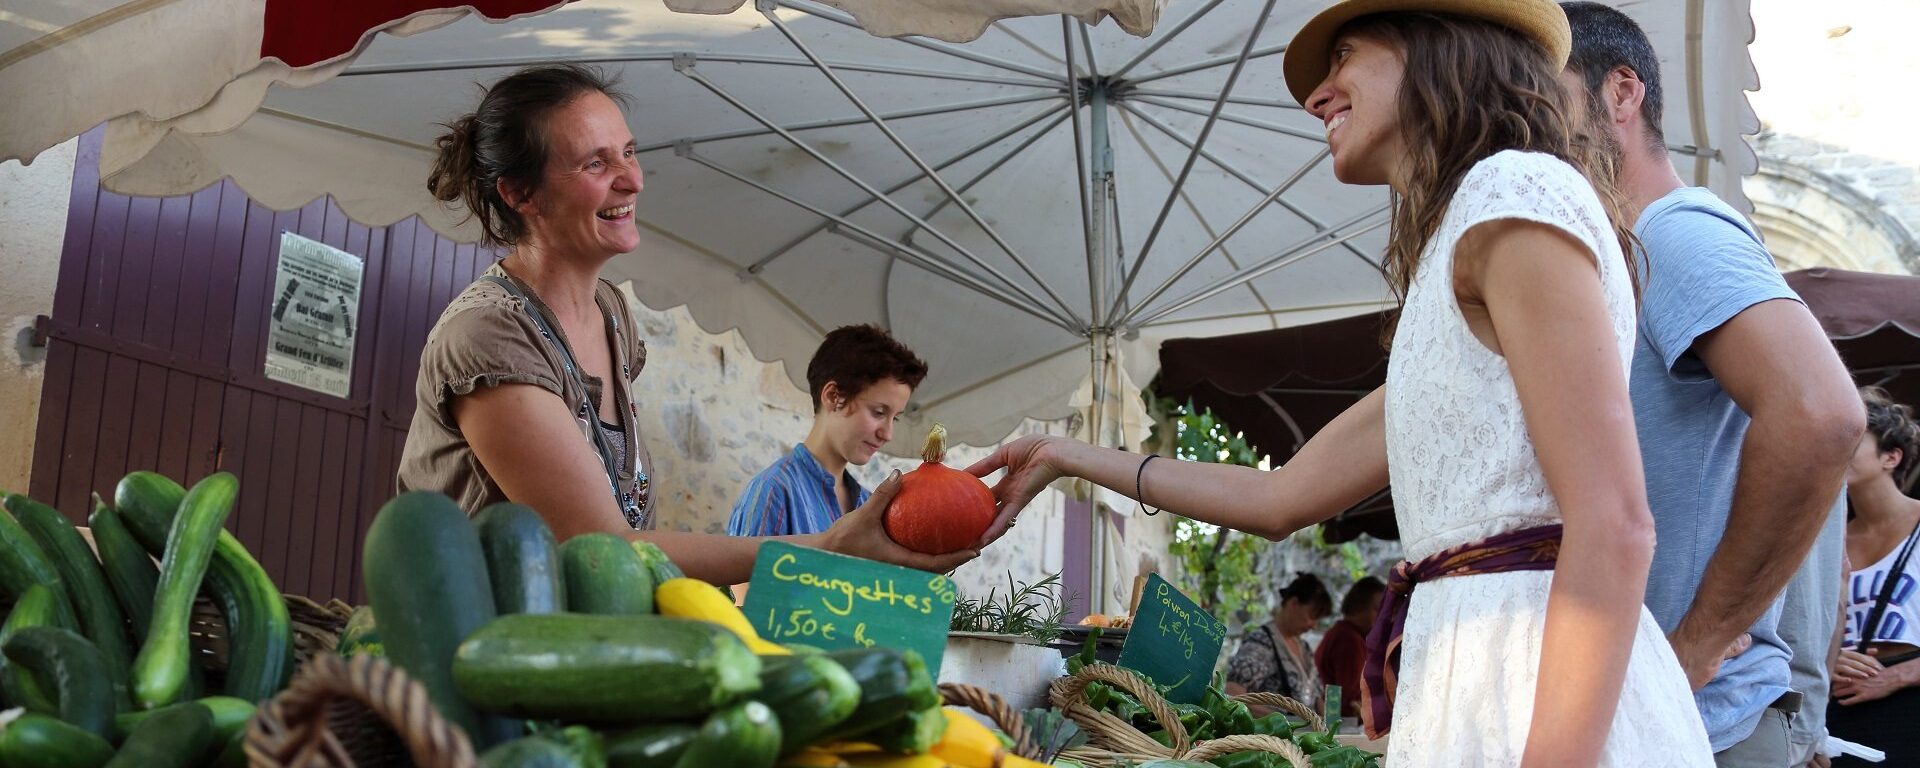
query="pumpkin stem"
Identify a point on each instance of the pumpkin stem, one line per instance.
(936, 448)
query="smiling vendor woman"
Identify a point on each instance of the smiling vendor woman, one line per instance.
(513, 396)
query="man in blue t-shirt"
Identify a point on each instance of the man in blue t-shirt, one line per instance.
(861, 378)
(1746, 416)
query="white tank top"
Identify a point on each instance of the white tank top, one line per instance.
(1900, 622)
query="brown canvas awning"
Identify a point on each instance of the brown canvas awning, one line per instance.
(1279, 387)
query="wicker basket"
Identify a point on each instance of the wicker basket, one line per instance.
(358, 713)
(316, 630)
(1010, 721)
(1114, 742)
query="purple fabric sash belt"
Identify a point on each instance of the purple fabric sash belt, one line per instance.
(1528, 549)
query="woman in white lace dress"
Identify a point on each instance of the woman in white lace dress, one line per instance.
(1504, 425)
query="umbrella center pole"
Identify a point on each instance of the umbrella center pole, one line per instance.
(1099, 337)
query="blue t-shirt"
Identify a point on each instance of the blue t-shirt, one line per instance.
(793, 496)
(1704, 265)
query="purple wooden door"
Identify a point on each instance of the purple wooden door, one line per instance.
(156, 358)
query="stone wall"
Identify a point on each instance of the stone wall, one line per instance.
(33, 226)
(1821, 205)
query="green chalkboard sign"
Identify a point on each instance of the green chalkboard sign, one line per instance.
(1173, 641)
(809, 597)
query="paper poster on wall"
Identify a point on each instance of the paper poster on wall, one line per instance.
(315, 310)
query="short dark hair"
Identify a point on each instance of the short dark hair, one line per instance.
(1360, 596)
(505, 138)
(1307, 588)
(1893, 428)
(857, 356)
(1605, 39)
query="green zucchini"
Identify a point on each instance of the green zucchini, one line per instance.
(745, 735)
(23, 564)
(584, 668)
(808, 694)
(605, 576)
(101, 621)
(160, 671)
(361, 635)
(893, 684)
(34, 609)
(38, 741)
(541, 752)
(75, 670)
(129, 569)
(426, 580)
(230, 716)
(174, 736)
(233, 754)
(523, 562)
(914, 734)
(658, 745)
(658, 563)
(259, 629)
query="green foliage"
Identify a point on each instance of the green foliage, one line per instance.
(1219, 568)
(1035, 610)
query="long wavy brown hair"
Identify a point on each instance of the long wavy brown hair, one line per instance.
(1472, 89)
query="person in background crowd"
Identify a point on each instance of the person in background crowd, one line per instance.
(1746, 415)
(1343, 649)
(1274, 657)
(525, 389)
(861, 379)
(1876, 687)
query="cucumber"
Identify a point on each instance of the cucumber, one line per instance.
(23, 564)
(893, 684)
(229, 714)
(361, 635)
(175, 736)
(605, 576)
(38, 741)
(160, 671)
(809, 695)
(523, 562)
(745, 735)
(75, 670)
(259, 629)
(426, 580)
(130, 571)
(914, 734)
(650, 746)
(658, 564)
(34, 609)
(582, 667)
(101, 621)
(234, 754)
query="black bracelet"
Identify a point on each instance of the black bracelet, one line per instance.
(1139, 495)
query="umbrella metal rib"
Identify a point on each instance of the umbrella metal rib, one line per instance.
(1204, 96)
(1081, 178)
(983, 174)
(1165, 38)
(1206, 130)
(685, 66)
(838, 122)
(1298, 133)
(767, 8)
(1220, 61)
(1235, 172)
(836, 17)
(1281, 259)
(977, 148)
(929, 261)
(730, 58)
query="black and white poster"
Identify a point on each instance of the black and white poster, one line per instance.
(316, 303)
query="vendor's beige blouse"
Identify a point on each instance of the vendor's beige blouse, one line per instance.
(485, 338)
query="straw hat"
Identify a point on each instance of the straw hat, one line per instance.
(1309, 55)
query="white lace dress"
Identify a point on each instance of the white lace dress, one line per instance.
(1463, 469)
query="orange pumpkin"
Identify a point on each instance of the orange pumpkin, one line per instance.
(939, 509)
